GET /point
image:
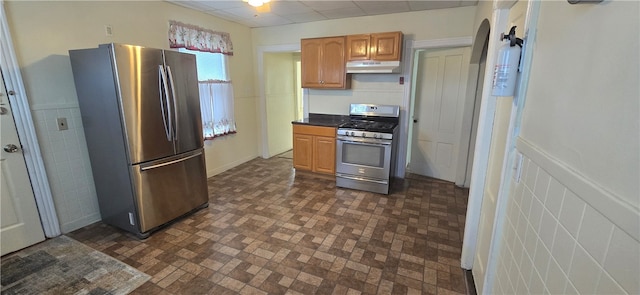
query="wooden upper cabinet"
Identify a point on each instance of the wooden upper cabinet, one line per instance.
(386, 46)
(311, 59)
(376, 46)
(358, 47)
(323, 63)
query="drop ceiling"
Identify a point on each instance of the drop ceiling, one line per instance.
(283, 12)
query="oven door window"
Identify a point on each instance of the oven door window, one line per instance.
(362, 154)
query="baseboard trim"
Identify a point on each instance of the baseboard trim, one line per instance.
(80, 223)
(223, 168)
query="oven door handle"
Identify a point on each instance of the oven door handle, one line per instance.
(363, 141)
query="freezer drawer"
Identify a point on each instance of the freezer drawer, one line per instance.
(168, 188)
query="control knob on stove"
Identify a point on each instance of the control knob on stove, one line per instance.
(353, 133)
(376, 135)
(364, 135)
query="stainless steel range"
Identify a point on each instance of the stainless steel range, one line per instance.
(365, 155)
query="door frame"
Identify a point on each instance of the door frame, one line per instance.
(462, 139)
(406, 110)
(26, 131)
(262, 97)
(499, 22)
(488, 102)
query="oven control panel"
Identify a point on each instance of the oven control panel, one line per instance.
(364, 134)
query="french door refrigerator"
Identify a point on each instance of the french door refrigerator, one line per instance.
(141, 114)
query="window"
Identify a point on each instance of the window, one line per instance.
(216, 93)
(212, 49)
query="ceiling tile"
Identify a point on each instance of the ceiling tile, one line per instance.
(343, 13)
(329, 5)
(382, 7)
(300, 11)
(190, 4)
(305, 17)
(220, 5)
(438, 4)
(243, 11)
(224, 15)
(268, 20)
(284, 8)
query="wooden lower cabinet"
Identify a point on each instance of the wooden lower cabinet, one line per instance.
(324, 156)
(314, 148)
(303, 151)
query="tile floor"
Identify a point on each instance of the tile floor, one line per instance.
(268, 231)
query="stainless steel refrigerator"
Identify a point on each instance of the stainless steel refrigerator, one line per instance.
(141, 114)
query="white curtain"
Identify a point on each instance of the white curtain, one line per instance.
(216, 103)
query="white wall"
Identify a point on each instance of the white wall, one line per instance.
(365, 88)
(280, 93)
(585, 78)
(573, 222)
(44, 31)
(370, 88)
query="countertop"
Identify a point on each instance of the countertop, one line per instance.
(324, 120)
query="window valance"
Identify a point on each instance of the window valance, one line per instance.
(197, 38)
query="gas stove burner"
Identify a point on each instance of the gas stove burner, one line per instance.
(366, 125)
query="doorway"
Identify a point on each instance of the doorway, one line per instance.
(283, 98)
(439, 99)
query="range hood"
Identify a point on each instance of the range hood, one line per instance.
(373, 67)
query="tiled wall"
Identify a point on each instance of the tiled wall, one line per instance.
(68, 167)
(554, 242)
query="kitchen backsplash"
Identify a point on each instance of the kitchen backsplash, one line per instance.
(365, 88)
(67, 164)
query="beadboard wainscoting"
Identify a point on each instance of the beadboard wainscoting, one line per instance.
(67, 164)
(556, 241)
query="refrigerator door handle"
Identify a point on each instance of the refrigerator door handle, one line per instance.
(165, 90)
(175, 104)
(145, 168)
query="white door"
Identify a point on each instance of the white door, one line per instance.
(441, 81)
(20, 223)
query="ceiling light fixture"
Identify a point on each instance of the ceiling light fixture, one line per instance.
(256, 3)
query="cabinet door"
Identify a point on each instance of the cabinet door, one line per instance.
(333, 63)
(358, 47)
(311, 60)
(302, 151)
(386, 46)
(324, 156)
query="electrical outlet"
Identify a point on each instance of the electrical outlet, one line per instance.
(62, 124)
(108, 30)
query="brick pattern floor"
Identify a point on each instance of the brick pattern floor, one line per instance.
(269, 231)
